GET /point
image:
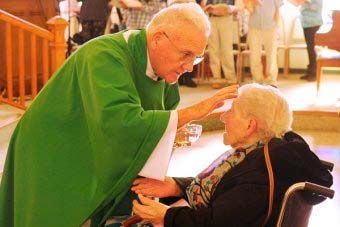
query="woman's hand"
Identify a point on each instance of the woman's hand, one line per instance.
(149, 210)
(156, 188)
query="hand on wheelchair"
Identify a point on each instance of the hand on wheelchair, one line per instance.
(149, 210)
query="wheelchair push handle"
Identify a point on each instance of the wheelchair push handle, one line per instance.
(328, 165)
(324, 191)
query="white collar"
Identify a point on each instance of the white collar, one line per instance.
(149, 70)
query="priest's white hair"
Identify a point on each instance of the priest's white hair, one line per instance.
(176, 15)
(268, 106)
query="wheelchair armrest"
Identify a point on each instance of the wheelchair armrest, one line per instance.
(324, 191)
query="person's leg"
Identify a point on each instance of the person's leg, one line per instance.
(270, 47)
(227, 57)
(255, 47)
(309, 34)
(312, 58)
(214, 52)
(85, 34)
(306, 35)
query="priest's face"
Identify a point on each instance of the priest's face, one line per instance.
(174, 53)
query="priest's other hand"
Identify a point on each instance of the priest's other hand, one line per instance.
(149, 210)
(156, 188)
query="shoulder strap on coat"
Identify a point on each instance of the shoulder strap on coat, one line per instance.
(271, 182)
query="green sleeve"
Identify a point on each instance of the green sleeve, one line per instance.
(172, 97)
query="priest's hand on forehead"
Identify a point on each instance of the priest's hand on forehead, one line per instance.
(217, 100)
(205, 107)
(227, 92)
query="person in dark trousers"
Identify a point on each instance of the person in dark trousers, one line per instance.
(93, 18)
(187, 79)
(311, 20)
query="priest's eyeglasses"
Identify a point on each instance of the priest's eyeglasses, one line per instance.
(187, 56)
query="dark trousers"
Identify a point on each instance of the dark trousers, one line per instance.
(90, 30)
(186, 76)
(309, 37)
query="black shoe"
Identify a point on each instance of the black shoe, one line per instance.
(181, 80)
(190, 83)
(304, 77)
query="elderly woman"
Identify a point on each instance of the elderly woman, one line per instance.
(233, 191)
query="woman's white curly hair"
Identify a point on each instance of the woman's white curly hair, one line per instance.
(268, 106)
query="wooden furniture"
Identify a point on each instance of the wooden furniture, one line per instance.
(30, 55)
(37, 12)
(329, 56)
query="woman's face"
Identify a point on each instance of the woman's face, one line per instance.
(236, 126)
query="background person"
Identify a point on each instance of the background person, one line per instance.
(138, 18)
(311, 20)
(93, 18)
(220, 43)
(263, 24)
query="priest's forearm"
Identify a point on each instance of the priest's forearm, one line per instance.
(188, 114)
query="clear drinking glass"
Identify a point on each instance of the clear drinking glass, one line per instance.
(187, 135)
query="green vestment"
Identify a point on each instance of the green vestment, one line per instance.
(86, 136)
